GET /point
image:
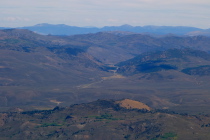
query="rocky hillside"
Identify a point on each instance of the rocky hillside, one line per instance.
(111, 48)
(102, 119)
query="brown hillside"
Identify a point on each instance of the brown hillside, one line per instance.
(130, 104)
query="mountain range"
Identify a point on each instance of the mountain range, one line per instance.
(42, 71)
(62, 29)
(105, 85)
(171, 59)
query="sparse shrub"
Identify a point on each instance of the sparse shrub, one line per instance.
(50, 124)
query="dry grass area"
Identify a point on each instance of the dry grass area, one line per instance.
(55, 101)
(113, 77)
(2, 67)
(130, 104)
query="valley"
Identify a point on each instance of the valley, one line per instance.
(42, 71)
(105, 70)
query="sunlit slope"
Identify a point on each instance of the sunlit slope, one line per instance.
(131, 104)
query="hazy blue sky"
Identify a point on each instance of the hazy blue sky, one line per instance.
(16, 13)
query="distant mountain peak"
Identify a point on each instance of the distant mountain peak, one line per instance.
(42, 24)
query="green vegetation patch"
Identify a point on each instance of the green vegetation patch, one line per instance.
(167, 136)
(50, 124)
(12, 41)
(104, 117)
